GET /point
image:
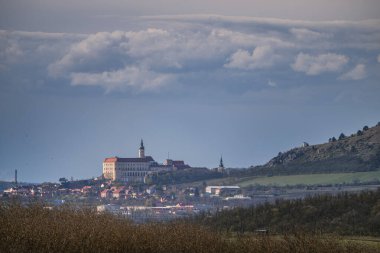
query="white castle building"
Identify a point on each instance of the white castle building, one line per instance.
(135, 169)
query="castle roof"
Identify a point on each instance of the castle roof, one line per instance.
(129, 160)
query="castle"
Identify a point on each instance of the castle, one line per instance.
(135, 169)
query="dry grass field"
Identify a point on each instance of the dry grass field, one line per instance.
(34, 228)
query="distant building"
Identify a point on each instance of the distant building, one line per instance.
(221, 165)
(128, 169)
(238, 197)
(135, 169)
(220, 168)
(175, 164)
(220, 190)
(119, 193)
(106, 193)
(111, 208)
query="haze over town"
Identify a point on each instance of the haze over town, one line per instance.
(83, 81)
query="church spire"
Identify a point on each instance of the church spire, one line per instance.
(142, 144)
(221, 165)
(141, 150)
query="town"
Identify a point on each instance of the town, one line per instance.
(126, 187)
(122, 189)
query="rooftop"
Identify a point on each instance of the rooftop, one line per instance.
(129, 160)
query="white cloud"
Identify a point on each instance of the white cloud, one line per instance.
(308, 35)
(89, 52)
(245, 39)
(315, 65)
(378, 58)
(111, 56)
(137, 78)
(150, 48)
(357, 73)
(261, 57)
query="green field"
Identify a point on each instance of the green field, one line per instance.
(312, 179)
(365, 240)
(305, 179)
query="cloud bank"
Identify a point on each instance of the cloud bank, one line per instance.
(193, 51)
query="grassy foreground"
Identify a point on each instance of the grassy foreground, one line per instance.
(35, 229)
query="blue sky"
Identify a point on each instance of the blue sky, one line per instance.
(83, 81)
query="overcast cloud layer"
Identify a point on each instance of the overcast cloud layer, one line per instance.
(231, 78)
(166, 53)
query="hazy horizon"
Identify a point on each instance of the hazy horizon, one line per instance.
(246, 80)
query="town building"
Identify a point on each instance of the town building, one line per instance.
(135, 169)
(128, 169)
(175, 164)
(223, 190)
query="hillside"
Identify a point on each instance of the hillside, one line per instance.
(358, 152)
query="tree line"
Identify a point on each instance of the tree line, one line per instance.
(343, 214)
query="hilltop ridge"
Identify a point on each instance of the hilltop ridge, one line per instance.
(358, 152)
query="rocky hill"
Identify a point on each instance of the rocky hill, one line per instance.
(358, 152)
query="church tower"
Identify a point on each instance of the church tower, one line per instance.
(221, 165)
(142, 150)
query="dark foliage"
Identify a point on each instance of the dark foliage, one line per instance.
(34, 228)
(182, 176)
(344, 214)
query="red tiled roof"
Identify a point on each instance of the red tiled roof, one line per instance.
(110, 160)
(133, 160)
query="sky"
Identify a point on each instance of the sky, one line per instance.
(85, 80)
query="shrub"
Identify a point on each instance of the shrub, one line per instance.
(33, 228)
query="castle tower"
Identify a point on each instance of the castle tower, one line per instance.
(141, 150)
